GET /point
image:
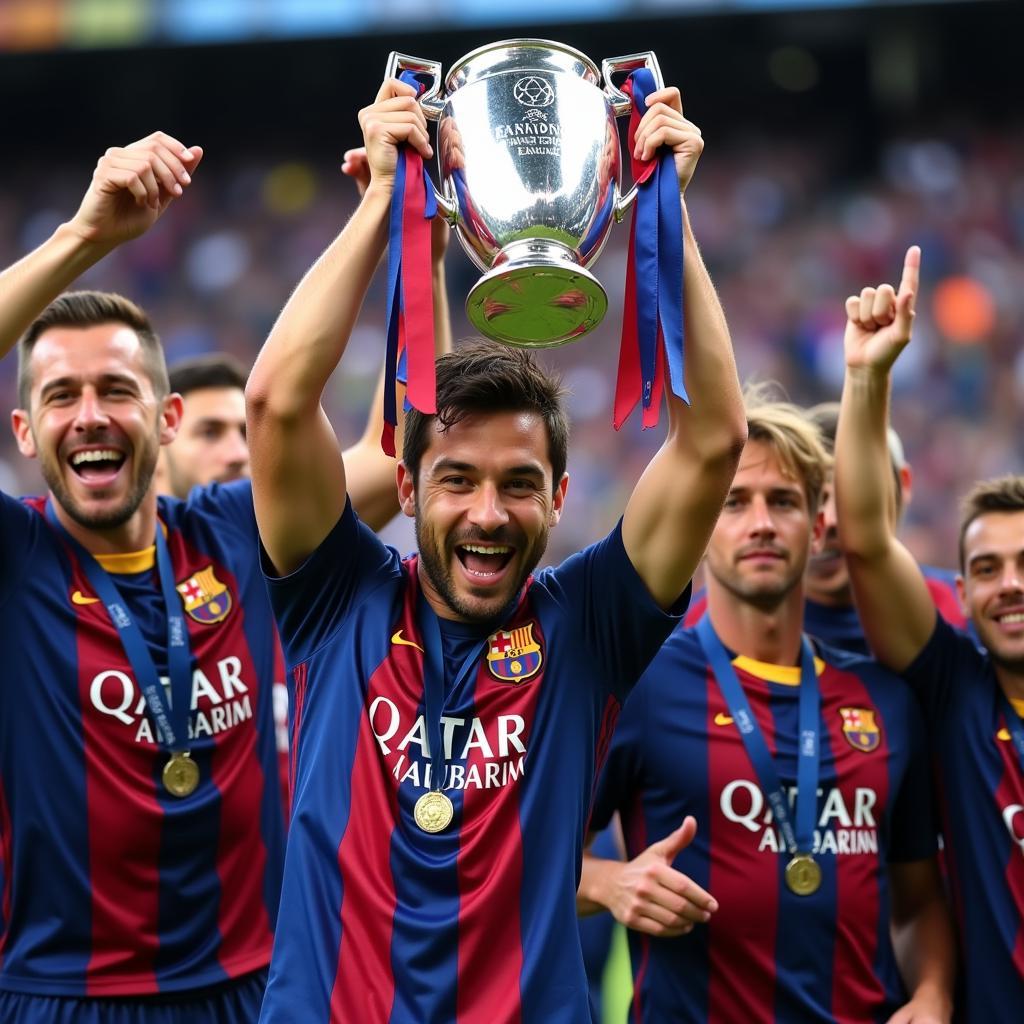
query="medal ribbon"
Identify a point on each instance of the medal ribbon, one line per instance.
(433, 683)
(1014, 725)
(652, 322)
(410, 303)
(800, 839)
(170, 720)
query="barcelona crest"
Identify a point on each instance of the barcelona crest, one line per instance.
(205, 598)
(861, 730)
(513, 655)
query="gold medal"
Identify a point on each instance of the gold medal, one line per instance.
(433, 811)
(181, 774)
(803, 875)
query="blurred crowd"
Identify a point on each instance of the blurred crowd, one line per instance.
(786, 231)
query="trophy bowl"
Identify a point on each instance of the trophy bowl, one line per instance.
(530, 173)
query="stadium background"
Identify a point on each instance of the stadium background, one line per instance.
(836, 135)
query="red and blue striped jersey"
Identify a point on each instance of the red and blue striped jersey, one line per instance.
(381, 922)
(110, 886)
(981, 802)
(839, 625)
(769, 956)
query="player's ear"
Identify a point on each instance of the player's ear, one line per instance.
(22, 428)
(558, 500)
(961, 593)
(818, 531)
(406, 490)
(170, 417)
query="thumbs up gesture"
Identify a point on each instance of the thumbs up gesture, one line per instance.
(648, 895)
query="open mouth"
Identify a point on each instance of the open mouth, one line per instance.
(484, 561)
(1015, 618)
(97, 466)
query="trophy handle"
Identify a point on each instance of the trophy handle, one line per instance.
(622, 105)
(431, 104)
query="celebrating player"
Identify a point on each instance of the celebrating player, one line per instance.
(450, 708)
(141, 826)
(973, 698)
(806, 770)
(829, 611)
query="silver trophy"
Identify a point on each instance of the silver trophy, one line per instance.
(528, 157)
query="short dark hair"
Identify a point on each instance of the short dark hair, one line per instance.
(90, 309)
(485, 377)
(826, 416)
(216, 370)
(1001, 494)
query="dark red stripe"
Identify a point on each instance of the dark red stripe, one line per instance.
(741, 974)
(119, 787)
(491, 847)
(364, 984)
(855, 983)
(609, 719)
(235, 770)
(300, 674)
(1011, 791)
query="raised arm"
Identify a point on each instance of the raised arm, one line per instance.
(131, 188)
(299, 483)
(674, 506)
(895, 607)
(369, 472)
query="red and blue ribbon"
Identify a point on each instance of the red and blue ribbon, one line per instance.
(410, 309)
(652, 325)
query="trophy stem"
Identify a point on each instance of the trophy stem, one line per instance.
(537, 295)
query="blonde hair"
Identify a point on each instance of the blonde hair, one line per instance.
(793, 436)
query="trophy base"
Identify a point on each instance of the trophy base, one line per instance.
(536, 296)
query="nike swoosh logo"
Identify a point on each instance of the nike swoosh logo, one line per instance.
(1003, 734)
(721, 719)
(402, 642)
(79, 598)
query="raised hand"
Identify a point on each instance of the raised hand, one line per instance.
(357, 167)
(132, 186)
(879, 320)
(651, 896)
(664, 125)
(393, 118)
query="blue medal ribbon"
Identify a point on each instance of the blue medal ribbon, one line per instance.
(171, 720)
(433, 683)
(801, 839)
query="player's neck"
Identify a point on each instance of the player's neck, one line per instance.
(771, 635)
(842, 598)
(136, 534)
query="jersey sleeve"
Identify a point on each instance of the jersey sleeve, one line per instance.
(915, 826)
(948, 662)
(619, 780)
(229, 504)
(311, 603)
(616, 618)
(15, 546)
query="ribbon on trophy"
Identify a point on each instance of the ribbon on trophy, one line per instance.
(410, 304)
(652, 323)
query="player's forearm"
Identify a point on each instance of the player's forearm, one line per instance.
(713, 427)
(596, 885)
(926, 954)
(310, 336)
(863, 475)
(29, 285)
(442, 314)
